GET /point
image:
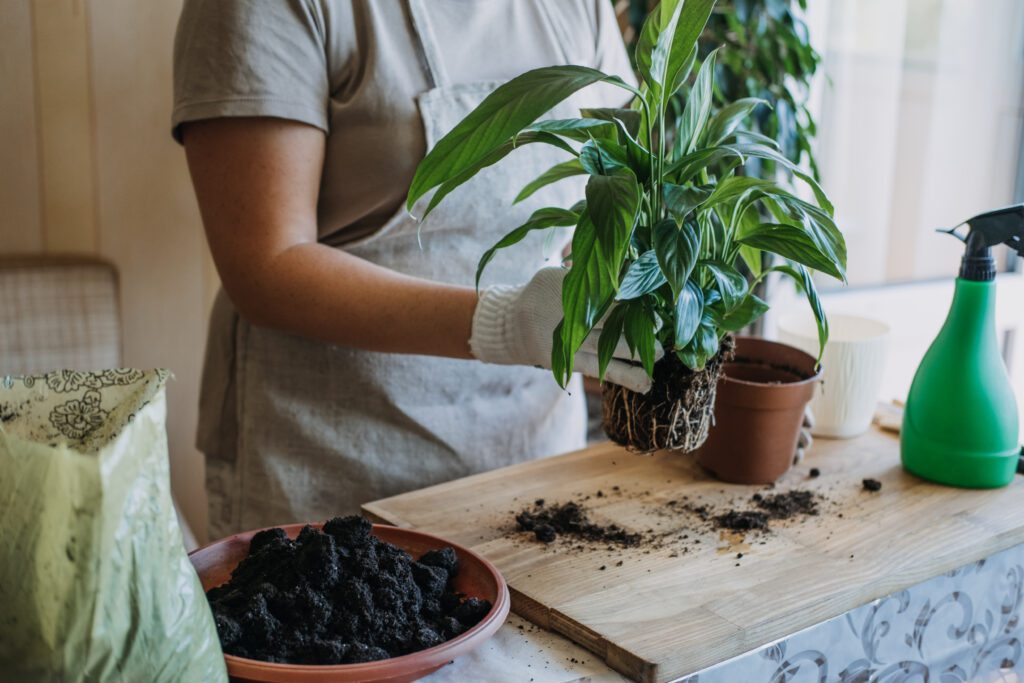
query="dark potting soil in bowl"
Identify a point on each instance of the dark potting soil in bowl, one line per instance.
(339, 596)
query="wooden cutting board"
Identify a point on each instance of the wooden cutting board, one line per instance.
(667, 612)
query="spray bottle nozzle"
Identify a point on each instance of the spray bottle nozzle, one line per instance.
(1001, 226)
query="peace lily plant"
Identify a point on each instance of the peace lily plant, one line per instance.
(667, 220)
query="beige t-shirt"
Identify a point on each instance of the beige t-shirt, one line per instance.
(353, 69)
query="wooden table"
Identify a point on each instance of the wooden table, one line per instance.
(668, 612)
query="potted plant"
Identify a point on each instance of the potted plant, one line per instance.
(666, 219)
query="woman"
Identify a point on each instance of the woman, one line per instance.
(345, 362)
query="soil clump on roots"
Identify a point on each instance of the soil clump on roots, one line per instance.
(339, 596)
(675, 414)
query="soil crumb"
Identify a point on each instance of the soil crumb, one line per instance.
(547, 522)
(339, 596)
(871, 485)
(789, 504)
(814, 473)
(742, 520)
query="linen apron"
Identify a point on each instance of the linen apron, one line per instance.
(299, 430)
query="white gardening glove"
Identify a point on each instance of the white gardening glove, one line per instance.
(515, 326)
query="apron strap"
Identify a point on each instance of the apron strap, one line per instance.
(427, 45)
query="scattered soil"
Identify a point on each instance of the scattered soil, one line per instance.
(742, 520)
(871, 485)
(339, 596)
(787, 505)
(814, 473)
(675, 414)
(547, 522)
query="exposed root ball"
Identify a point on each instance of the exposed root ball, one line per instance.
(677, 412)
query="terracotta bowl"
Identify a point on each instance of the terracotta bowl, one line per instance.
(476, 578)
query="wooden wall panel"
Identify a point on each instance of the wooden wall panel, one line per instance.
(150, 222)
(61, 49)
(20, 229)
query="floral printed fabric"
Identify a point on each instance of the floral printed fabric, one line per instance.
(83, 410)
(963, 626)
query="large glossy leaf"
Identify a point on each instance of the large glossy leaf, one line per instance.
(734, 186)
(643, 276)
(680, 200)
(725, 122)
(805, 282)
(611, 332)
(749, 310)
(728, 281)
(505, 112)
(561, 171)
(753, 149)
(689, 309)
(793, 243)
(698, 105)
(541, 219)
(629, 118)
(577, 129)
(667, 41)
(677, 249)
(603, 157)
(639, 328)
(612, 204)
(493, 157)
(587, 291)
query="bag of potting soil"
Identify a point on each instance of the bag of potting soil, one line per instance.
(94, 581)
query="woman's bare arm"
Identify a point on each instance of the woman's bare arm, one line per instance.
(257, 181)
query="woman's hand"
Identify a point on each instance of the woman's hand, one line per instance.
(514, 325)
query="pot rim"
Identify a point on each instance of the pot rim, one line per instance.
(770, 385)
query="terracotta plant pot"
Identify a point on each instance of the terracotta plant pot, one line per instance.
(675, 414)
(758, 412)
(477, 578)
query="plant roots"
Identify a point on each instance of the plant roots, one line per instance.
(675, 414)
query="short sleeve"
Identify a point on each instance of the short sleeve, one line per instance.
(250, 58)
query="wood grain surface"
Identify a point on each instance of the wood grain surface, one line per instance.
(680, 605)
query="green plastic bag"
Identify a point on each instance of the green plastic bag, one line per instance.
(94, 581)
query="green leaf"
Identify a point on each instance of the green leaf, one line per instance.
(609, 339)
(640, 325)
(667, 40)
(761, 151)
(587, 291)
(577, 129)
(729, 282)
(749, 310)
(725, 122)
(629, 118)
(705, 342)
(601, 157)
(677, 249)
(791, 242)
(680, 200)
(735, 186)
(561, 171)
(502, 114)
(492, 157)
(698, 105)
(752, 257)
(612, 204)
(541, 219)
(643, 276)
(689, 309)
(806, 283)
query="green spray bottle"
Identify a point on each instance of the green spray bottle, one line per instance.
(960, 421)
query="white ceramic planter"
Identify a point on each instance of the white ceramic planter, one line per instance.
(852, 370)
